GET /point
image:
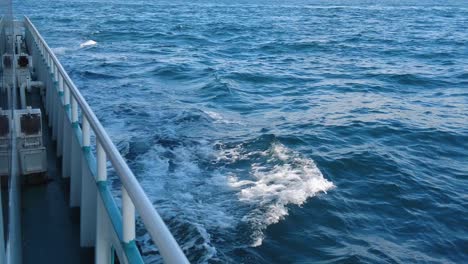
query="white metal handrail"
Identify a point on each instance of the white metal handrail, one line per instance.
(133, 195)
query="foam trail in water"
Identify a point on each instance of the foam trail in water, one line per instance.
(60, 50)
(187, 200)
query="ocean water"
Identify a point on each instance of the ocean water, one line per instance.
(283, 131)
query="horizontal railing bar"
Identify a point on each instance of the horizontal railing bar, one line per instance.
(162, 237)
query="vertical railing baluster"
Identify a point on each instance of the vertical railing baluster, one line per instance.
(55, 102)
(101, 163)
(46, 76)
(66, 132)
(56, 75)
(128, 217)
(103, 249)
(75, 157)
(61, 115)
(50, 86)
(85, 131)
(74, 111)
(87, 191)
(53, 92)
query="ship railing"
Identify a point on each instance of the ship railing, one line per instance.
(102, 224)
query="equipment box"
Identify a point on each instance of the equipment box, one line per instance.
(33, 160)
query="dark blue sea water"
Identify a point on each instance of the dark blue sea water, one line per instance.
(283, 131)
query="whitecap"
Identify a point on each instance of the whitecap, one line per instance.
(285, 178)
(88, 43)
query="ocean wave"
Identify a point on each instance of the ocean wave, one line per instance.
(218, 87)
(91, 74)
(408, 79)
(296, 46)
(173, 71)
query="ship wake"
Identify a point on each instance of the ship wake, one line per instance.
(217, 198)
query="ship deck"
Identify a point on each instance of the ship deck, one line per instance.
(50, 228)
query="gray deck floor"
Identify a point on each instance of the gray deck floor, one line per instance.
(50, 228)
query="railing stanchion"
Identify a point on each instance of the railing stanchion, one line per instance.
(54, 102)
(66, 133)
(74, 111)
(86, 133)
(103, 248)
(56, 74)
(75, 157)
(66, 94)
(88, 191)
(60, 115)
(44, 79)
(128, 217)
(101, 163)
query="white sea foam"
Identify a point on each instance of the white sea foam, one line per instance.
(60, 50)
(220, 119)
(214, 115)
(273, 187)
(88, 43)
